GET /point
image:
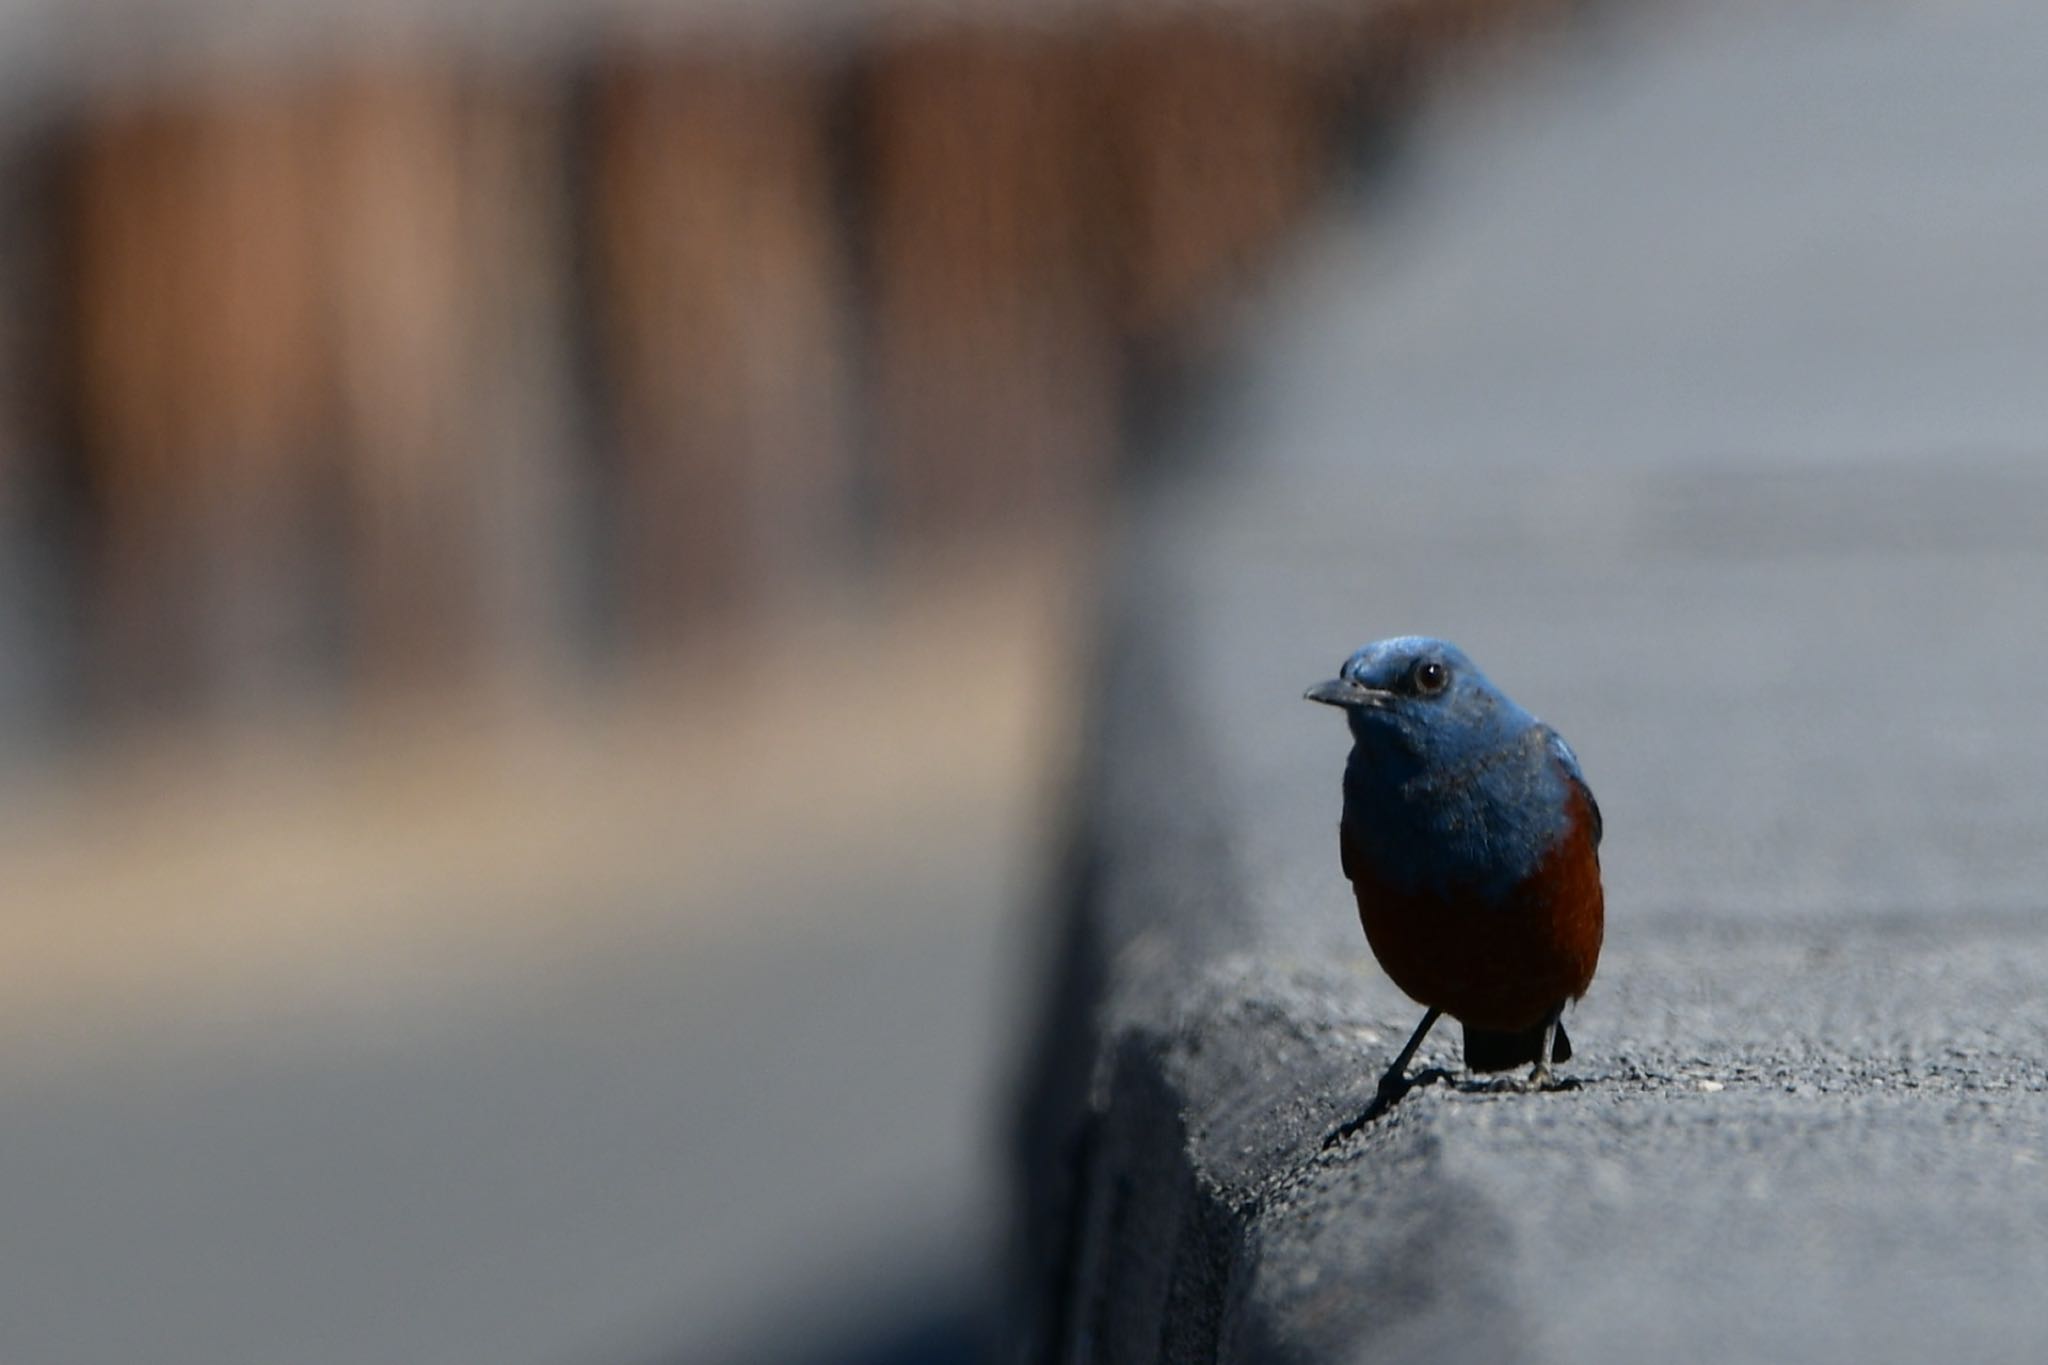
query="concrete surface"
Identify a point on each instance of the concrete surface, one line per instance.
(1694, 389)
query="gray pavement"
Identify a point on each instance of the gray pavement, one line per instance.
(672, 1041)
(1694, 387)
(669, 1151)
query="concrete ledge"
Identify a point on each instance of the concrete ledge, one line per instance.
(1700, 504)
(1803, 1135)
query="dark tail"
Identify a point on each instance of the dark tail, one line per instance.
(1486, 1050)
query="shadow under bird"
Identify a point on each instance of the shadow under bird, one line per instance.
(1472, 843)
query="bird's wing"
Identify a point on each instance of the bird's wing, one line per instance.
(1564, 755)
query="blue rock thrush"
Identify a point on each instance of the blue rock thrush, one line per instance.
(1472, 842)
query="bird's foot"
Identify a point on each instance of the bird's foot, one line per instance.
(1541, 1080)
(1392, 1091)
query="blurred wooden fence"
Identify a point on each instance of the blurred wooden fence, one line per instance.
(362, 372)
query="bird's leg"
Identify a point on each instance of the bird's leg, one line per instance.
(1393, 1085)
(1541, 1077)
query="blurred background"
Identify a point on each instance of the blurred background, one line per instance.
(549, 553)
(549, 561)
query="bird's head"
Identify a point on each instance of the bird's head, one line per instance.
(1421, 696)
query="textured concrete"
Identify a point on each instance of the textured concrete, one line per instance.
(1695, 391)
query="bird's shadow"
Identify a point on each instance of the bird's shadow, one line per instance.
(1390, 1095)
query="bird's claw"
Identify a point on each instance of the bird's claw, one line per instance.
(1541, 1081)
(1392, 1090)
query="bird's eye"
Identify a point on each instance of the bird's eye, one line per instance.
(1431, 677)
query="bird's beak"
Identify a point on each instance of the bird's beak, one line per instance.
(1346, 693)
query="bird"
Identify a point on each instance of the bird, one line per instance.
(1472, 843)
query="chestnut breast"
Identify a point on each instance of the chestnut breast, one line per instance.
(1493, 954)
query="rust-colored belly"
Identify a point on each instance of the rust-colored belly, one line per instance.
(1497, 965)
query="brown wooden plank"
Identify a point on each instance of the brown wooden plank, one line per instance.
(996, 367)
(722, 303)
(1220, 129)
(197, 385)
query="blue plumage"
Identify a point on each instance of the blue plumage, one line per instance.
(1453, 789)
